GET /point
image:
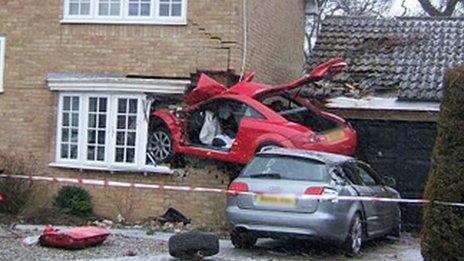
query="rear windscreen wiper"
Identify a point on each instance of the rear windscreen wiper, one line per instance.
(266, 175)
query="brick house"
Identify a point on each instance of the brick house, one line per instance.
(71, 70)
(392, 90)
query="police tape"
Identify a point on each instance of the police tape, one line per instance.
(108, 183)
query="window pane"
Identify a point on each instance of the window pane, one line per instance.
(75, 103)
(101, 153)
(130, 153)
(75, 120)
(65, 119)
(91, 137)
(120, 138)
(132, 106)
(145, 10)
(92, 120)
(164, 10)
(73, 152)
(132, 122)
(93, 104)
(131, 139)
(103, 9)
(101, 137)
(176, 10)
(133, 9)
(67, 103)
(90, 153)
(74, 135)
(65, 135)
(102, 121)
(119, 155)
(102, 104)
(73, 8)
(121, 122)
(64, 151)
(115, 9)
(85, 9)
(122, 105)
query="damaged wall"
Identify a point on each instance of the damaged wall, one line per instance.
(204, 209)
(38, 44)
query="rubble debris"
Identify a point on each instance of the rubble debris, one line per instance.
(173, 216)
(30, 241)
(105, 223)
(193, 245)
(74, 238)
(120, 219)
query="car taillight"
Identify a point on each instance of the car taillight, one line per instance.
(314, 191)
(321, 191)
(236, 188)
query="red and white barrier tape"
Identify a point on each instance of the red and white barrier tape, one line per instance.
(107, 183)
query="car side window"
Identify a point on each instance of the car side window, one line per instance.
(366, 175)
(351, 173)
(252, 113)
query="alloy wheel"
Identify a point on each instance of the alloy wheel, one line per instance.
(160, 145)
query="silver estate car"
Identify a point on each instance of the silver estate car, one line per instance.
(268, 200)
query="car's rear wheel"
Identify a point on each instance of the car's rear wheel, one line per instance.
(160, 145)
(354, 239)
(243, 239)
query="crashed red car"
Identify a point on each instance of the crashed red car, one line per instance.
(232, 124)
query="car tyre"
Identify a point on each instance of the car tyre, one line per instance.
(243, 240)
(160, 144)
(353, 241)
(193, 245)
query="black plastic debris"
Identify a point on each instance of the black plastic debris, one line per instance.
(174, 216)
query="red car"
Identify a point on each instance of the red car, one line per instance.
(232, 124)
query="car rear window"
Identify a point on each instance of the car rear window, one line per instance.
(284, 167)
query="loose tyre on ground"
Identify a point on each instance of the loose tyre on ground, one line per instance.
(193, 244)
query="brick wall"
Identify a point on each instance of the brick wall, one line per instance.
(37, 44)
(275, 39)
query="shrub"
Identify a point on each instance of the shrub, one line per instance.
(17, 193)
(74, 201)
(443, 226)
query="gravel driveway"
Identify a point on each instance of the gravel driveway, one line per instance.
(114, 246)
(125, 242)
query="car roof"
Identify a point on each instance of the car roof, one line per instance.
(323, 157)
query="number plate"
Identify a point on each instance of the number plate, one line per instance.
(336, 135)
(275, 200)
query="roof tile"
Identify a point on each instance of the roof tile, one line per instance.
(408, 55)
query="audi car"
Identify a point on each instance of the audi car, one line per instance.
(288, 193)
(232, 124)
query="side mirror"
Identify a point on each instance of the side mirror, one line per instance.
(389, 181)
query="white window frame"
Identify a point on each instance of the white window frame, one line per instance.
(124, 17)
(2, 62)
(110, 163)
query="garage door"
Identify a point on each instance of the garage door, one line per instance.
(401, 150)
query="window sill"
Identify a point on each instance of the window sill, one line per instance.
(138, 169)
(124, 22)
